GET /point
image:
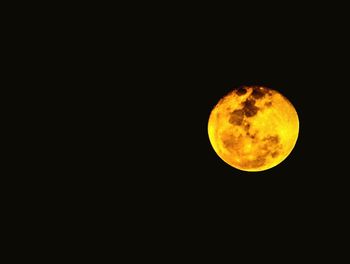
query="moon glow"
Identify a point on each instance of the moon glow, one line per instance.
(253, 128)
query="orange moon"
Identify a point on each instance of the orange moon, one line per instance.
(253, 128)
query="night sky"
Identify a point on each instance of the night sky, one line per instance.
(177, 78)
(125, 153)
(192, 80)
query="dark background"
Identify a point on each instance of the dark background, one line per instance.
(124, 100)
(109, 134)
(178, 69)
(153, 78)
(185, 81)
(178, 179)
(144, 85)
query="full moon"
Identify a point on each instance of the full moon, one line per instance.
(253, 128)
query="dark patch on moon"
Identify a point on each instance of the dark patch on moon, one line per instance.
(230, 142)
(236, 117)
(275, 154)
(258, 162)
(272, 139)
(268, 104)
(241, 91)
(249, 103)
(258, 93)
(249, 108)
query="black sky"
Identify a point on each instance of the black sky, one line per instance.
(153, 79)
(169, 76)
(186, 75)
(132, 90)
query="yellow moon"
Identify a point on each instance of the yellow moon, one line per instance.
(253, 128)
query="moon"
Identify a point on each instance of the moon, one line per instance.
(253, 128)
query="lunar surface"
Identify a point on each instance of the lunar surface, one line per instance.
(253, 128)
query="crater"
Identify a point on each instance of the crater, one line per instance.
(236, 117)
(249, 108)
(241, 91)
(258, 93)
(275, 154)
(258, 162)
(230, 142)
(268, 104)
(272, 139)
